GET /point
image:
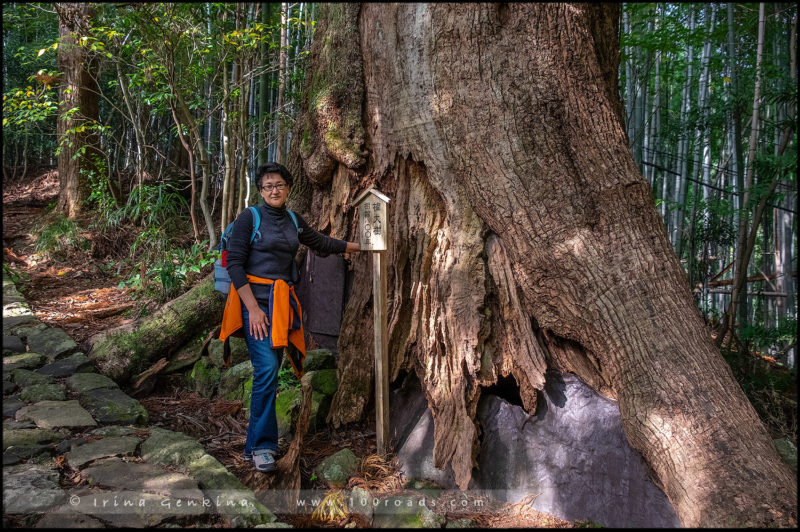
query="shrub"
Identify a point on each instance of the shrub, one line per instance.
(57, 237)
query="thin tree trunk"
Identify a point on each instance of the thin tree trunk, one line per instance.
(263, 94)
(650, 145)
(281, 138)
(739, 297)
(655, 140)
(683, 150)
(194, 146)
(270, 126)
(189, 151)
(228, 147)
(701, 144)
(640, 104)
(24, 153)
(244, 101)
(666, 179)
(783, 221)
(241, 118)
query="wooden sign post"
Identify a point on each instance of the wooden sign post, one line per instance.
(373, 235)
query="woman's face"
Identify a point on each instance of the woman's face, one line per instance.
(274, 190)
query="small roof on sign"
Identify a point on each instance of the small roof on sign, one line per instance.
(364, 195)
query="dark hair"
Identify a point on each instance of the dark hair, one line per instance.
(272, 168)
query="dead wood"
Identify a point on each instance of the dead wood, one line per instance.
(124, 351)
(146, 380)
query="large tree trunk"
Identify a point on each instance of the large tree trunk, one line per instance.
(522, 237)
(78, 107)
(130, 349)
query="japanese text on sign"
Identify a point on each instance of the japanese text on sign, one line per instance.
(372, 219)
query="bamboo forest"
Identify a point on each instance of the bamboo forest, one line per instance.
(709, 93)
(584, 234)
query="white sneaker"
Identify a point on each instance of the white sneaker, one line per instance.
(264, 462)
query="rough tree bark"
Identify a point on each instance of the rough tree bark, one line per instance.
(78, 107)
(523, 237)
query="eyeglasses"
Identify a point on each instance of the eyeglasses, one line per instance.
(270, 188)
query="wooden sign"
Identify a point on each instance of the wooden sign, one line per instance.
(373, 235)
(372, 220)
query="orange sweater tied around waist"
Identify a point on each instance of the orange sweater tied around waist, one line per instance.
(285, 317)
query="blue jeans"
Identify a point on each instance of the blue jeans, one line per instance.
(262, 432)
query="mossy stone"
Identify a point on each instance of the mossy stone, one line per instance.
(83, 382)
(171, 448)
(52, 342)
(204, 377)
(43, 392)
(317, 359)
(112, 405)
(26, 377)
(788, 451)
(26, 437)
(239, 352)
(23, 361)
(185, 357)
(405, 512)
(233, 382)
(287, 406)
(323, 381)
(339, 467)
(75, 363)
(320, 406)
(114, 431)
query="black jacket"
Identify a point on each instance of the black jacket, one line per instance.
(272, 255)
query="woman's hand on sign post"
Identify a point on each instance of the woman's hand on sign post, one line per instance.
(352, 247)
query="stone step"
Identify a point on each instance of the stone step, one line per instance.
(103, 448)
(159, 472)
(54, 414)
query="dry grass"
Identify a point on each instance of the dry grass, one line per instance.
(332, 508)
(378, 474)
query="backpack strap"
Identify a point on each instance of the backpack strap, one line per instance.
(294, 219)
(256, 223)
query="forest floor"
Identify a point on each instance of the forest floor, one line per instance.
(78, 293)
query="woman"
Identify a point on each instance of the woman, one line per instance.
(263, 274)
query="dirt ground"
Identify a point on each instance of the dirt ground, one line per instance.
(78, 293)
(73, 293)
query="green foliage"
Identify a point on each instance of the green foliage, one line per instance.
(69, 137)
(181, 267)
(588, 523)
(29, 104)
(154, 205)
(770, 389)
(698, 145)
(767, 339)
(167, 271)
(19, 277)
(24, 106)
(57, 237)
(109, 214)
(287, 378)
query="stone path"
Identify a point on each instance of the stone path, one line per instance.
(78, 452)
(61, 419)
